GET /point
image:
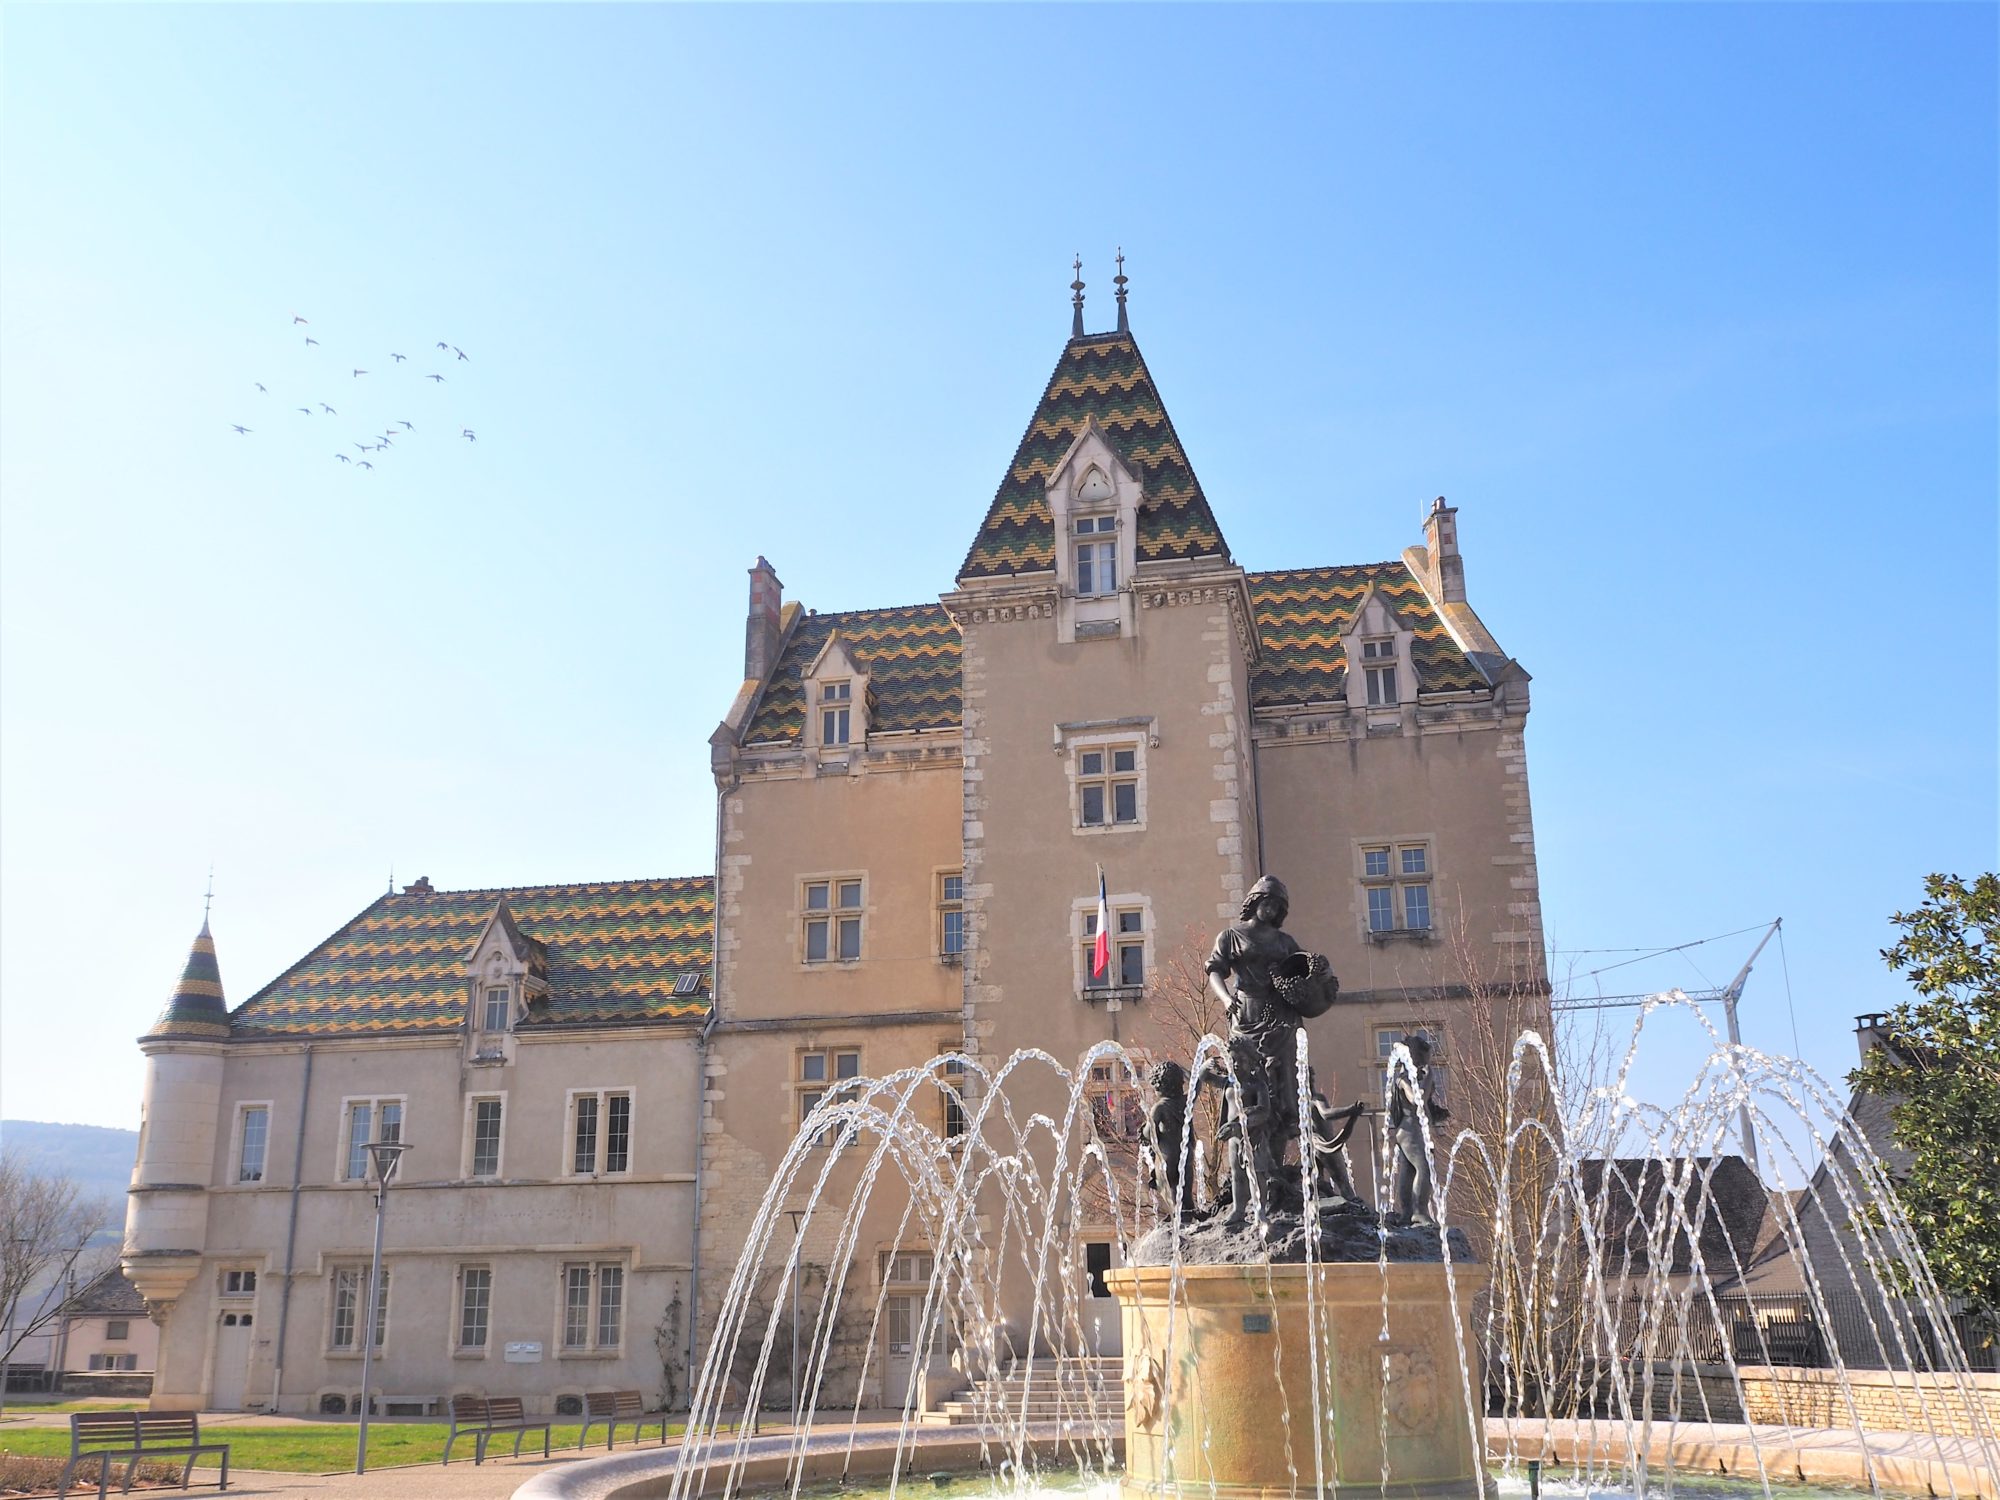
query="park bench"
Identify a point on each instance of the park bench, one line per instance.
(134, 1435)
(615, 1407)
(482, 1419)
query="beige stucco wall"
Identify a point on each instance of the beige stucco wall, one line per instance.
(88, 1336)
(525, 1225)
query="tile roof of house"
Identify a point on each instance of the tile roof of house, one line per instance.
(614, 951)
(1100, 375)
(1731, 1200)
(109, 1295)
(196, 1007)
(1301, 613)
(911, 656)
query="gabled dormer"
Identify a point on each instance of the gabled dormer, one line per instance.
(506, 972)
(1094, 498)
(836, 690)
(1381, 664)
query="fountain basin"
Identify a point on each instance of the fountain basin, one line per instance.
(1224, 1402)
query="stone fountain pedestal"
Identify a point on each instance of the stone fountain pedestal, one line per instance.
(1242, 1359)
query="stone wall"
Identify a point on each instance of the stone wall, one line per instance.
(1879, 1400)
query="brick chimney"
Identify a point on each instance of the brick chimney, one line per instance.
(1441, 537)
(761, 632)
(421, 886)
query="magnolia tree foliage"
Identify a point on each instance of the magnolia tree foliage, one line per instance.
(1942, 1070)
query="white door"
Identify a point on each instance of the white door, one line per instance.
(232, 1362)
(899, 1329)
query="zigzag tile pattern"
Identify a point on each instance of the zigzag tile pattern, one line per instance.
(911, 656)
(1301, 613)
(614, 951)
(1101, 375)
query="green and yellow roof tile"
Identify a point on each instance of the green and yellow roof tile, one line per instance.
(196, 1007)
(1103, 376)
(1302, 613)
(614, 952)
(911, 656)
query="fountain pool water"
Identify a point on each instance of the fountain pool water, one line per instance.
(913, 1278)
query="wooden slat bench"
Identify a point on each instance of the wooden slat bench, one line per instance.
(615, 1407)
(134, 1435)
(482, 1419)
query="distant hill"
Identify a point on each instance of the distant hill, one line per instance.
(99, 1158)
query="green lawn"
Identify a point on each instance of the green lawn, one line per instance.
(328, 1447)
(16, 1407)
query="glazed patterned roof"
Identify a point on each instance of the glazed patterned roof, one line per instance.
(196, 1007)
(1301, 613)
(614, 950)
(911, 656)
(1104, 376)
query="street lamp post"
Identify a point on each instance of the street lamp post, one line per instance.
(385, 1155)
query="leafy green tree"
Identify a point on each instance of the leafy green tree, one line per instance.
(1942, 1070)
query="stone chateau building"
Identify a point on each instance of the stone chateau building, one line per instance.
(597, 1080)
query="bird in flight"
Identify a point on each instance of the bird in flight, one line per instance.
(260, 386)
(382, 443)
(438, 378)
(443, 345)
(366, 465)
(398, 358)
(238, 427)
(297, 319)
(360, 372)
(312, 341)
(364, 447)
(466, 433)
(307, 410)
(408, 426)
(328, 410)
(343, 458)
(458, 351)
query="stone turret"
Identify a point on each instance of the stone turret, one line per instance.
(166, 1215)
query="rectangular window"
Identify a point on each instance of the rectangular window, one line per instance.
(485, 1160)
(365, 1116)
(836, 703)
(1127, 965)
(1115, 1106)
(475, 1305)
(1378, 661)
(1415, 859)
(907, 1267)
(832, 920)
(348, 1282)
(497, 1009)
(1381, 909)
(1107, 784)
(255, 1135)
(1096, 560)
(1386, 1038)
(951, 915)
(1417, 907)
(117, 1328)
(602, 1133)
(593, 1307)
(953, 1069)
(239, 1283)
(819, 1069)
(1398, 882)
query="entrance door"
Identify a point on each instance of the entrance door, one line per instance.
(899, 1331)
(232, 1362)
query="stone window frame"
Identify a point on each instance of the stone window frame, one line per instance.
(834, 914)
(339, 1271)
(492, 991)
(593, 1345)
(462, 1289)
(601, 1146)
(239, 1136)
(1375, 663)
(947, 907)
(954, 1115)
(1106, 1084)
(1083, 912)
(343, 1146)
(241, 1289)
(1395, 880)
(804, 1089)
(469, 1137)
(1139, 733)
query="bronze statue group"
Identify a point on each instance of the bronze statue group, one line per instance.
(1269, 987)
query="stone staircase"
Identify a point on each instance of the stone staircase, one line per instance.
(1065, 1389)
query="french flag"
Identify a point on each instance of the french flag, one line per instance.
(1100, 956)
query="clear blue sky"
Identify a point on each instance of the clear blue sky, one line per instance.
(1691, 310)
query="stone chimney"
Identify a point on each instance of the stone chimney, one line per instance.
(421, 886)
(761, 631)
(1870, 1032)
(1441, 537)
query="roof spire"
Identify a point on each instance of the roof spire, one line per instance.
(1076, 299)
(1119, 281)
(196, 1008)
(208, 898)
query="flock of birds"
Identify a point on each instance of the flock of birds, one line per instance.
(396, 429)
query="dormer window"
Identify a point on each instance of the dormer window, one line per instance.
(497, 1010)
(1096, 555)
(836, 705)
(1378, 663)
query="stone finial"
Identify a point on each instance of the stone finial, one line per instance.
(1119, 281)
(1076, 299)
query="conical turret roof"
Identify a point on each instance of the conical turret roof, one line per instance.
(197, 1008)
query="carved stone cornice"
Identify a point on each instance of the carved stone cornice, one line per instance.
(1231, 589)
